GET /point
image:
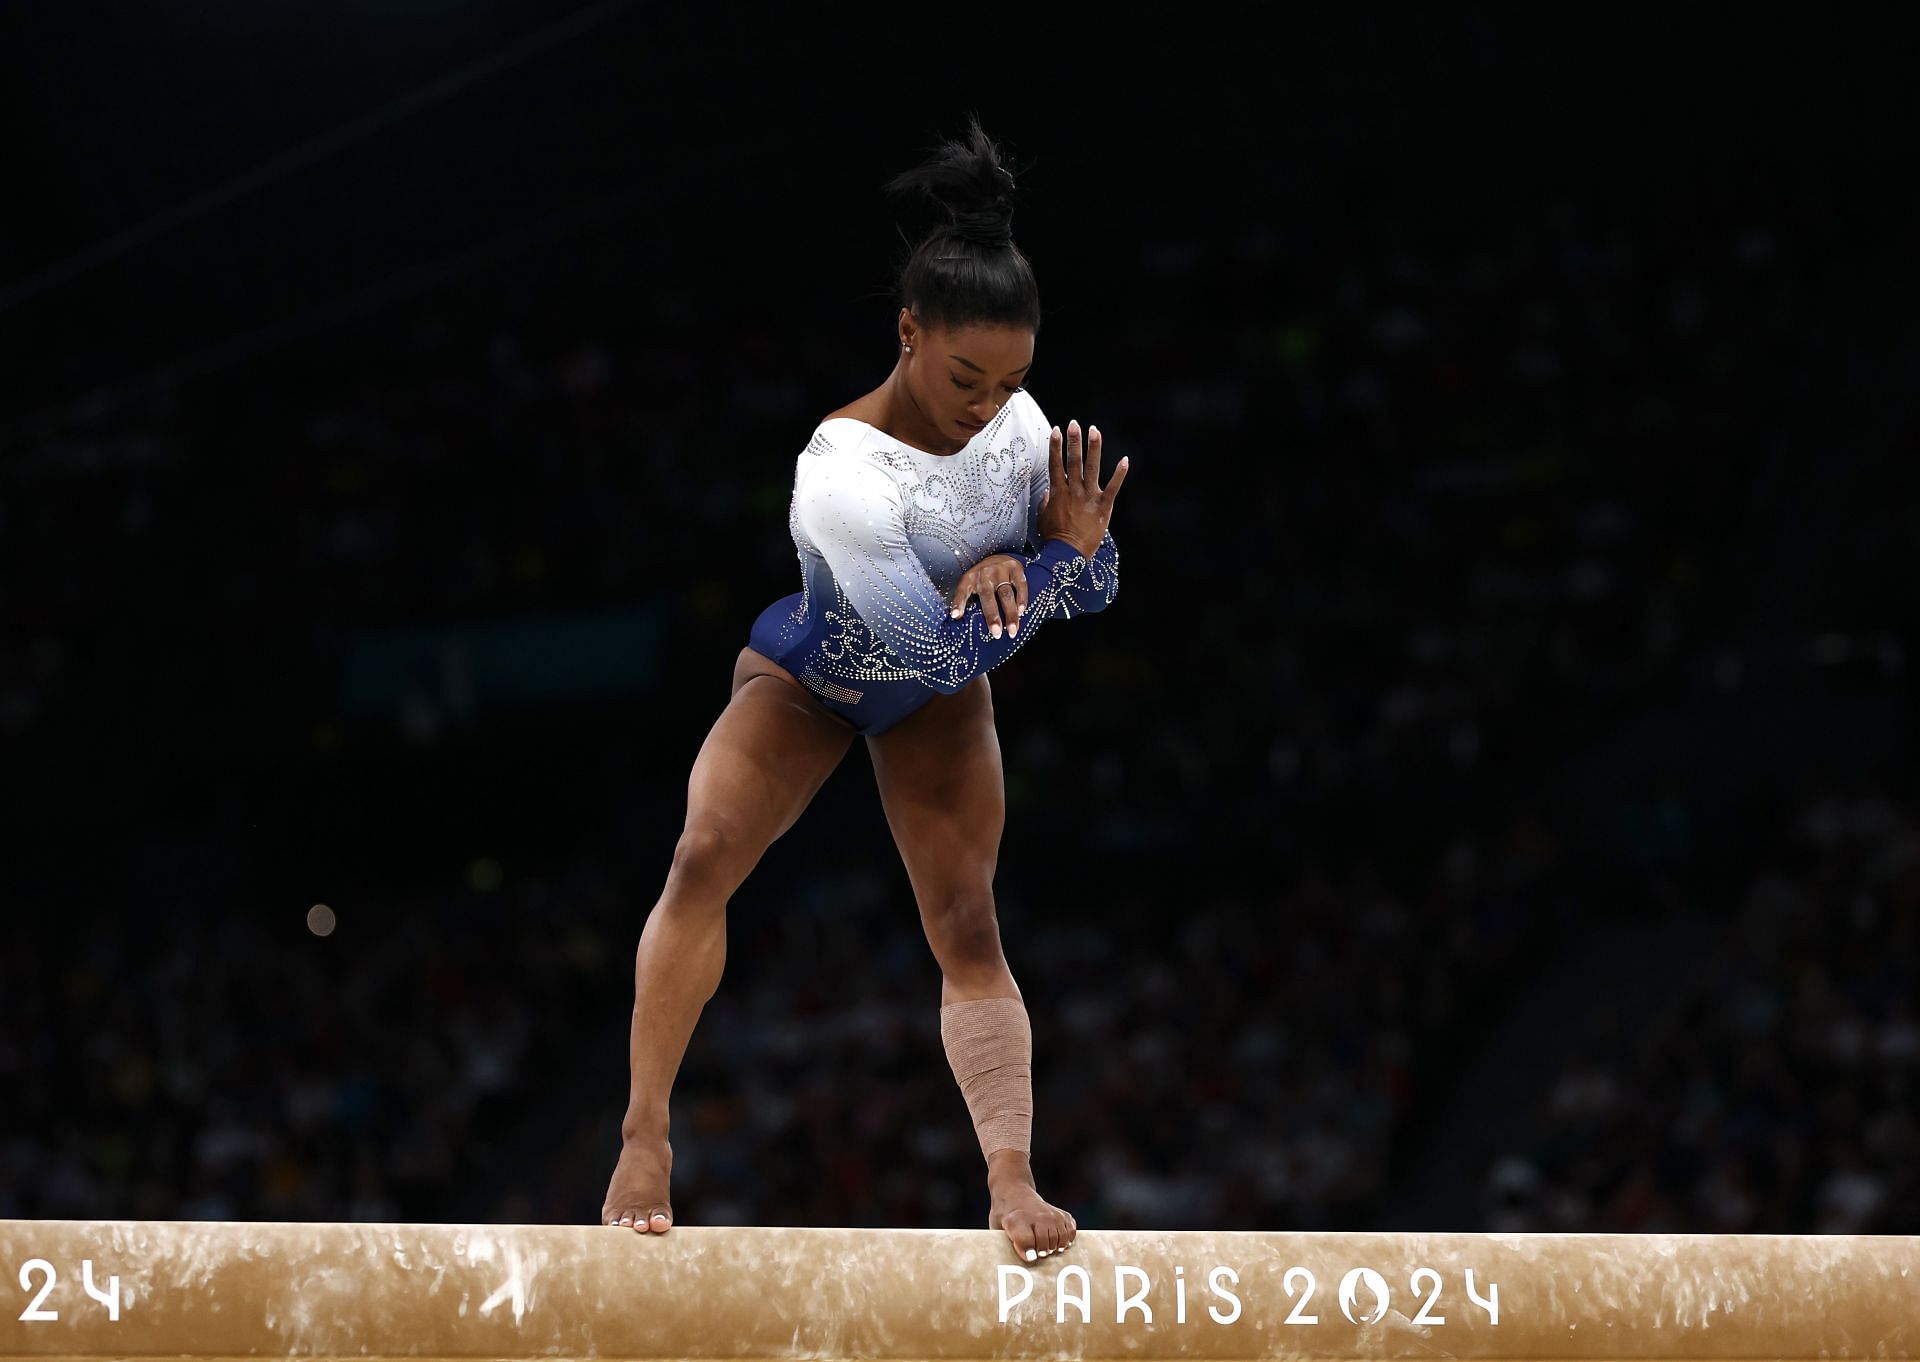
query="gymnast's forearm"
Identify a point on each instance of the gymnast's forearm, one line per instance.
(1060, 582)
(1086, 584)
(909, 618)
(947, 651)
(1056, 586)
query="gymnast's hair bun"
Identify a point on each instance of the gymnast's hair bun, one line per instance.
(967, 271)
(966, 177)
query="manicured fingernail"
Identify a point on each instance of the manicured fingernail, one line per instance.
(996, 631)
(1031, 1255)
(956, 610)
(1013, 631)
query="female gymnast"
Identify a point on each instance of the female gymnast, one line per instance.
(909, 505)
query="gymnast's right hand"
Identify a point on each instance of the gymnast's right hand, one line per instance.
(1076, 507)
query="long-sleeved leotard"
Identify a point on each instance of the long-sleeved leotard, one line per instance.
(884, 532)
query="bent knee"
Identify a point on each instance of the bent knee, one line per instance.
(710, 855)
(965, 933)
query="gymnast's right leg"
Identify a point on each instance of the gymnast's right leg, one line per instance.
(763, 761)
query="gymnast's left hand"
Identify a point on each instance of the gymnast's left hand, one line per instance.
(1000, 581)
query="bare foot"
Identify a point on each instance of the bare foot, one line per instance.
(1036, 1228)
(637, 1196)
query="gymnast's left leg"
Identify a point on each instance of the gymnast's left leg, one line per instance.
(944, 792)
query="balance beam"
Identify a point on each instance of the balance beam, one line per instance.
(98, 1290)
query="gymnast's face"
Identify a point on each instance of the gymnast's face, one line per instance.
(959, 379)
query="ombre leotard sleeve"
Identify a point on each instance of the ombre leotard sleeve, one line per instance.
(852, 512)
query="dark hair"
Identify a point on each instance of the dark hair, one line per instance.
(967, 272)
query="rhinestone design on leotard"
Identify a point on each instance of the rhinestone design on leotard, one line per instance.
(884, 533)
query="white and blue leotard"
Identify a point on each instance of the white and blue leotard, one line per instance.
(884, 532)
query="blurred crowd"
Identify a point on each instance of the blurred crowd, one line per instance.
(1781, 1091)
(1407, 545)
(263, 1072)
(462, 1059)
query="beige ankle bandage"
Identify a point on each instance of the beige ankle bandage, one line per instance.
(990, 1046)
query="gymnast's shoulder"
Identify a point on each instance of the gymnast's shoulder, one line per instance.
(841, 465)
(844, 432)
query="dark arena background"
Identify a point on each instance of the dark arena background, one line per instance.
(1489, 804)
